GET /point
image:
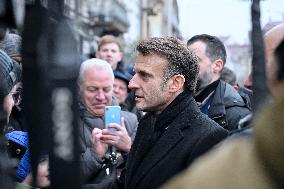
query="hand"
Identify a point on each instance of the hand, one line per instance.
(98, 144)
(119, 138)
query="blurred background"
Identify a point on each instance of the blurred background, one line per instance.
(132, 20)
(230, 20)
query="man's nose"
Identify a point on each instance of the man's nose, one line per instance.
(109, 52)
(115, 89)
(132, 84)
(100, 95)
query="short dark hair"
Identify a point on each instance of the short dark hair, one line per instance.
(279, 61)
(215, 48)
(180, 59)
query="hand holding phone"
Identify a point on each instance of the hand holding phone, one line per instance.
(112, 115)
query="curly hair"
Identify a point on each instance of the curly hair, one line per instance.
(180, 59)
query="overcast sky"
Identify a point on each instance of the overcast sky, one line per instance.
(224, 17)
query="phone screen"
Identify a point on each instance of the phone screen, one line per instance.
(112, 115)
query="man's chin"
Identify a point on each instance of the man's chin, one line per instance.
(139, 107)
(97, 112)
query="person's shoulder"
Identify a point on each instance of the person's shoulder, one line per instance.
(235, 158)
(128, 115)
(231, 96)
(23, 186)
(230, 91)
(206, 124)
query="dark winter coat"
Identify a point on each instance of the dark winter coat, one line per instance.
(227, 107)
(181, 133)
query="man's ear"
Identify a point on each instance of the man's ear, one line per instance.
(218, 66)
(177, 83)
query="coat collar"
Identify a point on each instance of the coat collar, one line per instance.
(173, 110)
(217, 107)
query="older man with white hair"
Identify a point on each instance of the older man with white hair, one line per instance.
(95, 82)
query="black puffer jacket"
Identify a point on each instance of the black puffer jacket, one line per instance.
(227, 107)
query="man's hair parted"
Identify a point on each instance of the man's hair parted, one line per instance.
(215, 48)
(180, 59)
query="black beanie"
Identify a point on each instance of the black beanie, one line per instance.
(10, 74)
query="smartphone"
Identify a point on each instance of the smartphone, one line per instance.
(112, 115)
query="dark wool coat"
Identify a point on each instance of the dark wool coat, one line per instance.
(187, 134)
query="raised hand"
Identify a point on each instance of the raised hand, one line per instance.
(118, 138)
(99, 146)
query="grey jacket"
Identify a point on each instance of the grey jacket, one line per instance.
(228, 107)
(92, 170)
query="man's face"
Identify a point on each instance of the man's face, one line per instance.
(96, 90)
(205, 76)
(151, 94)
(110, 52)
(120, 90)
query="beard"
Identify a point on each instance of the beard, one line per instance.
(203, 81)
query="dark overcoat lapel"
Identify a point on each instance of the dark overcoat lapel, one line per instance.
(167, 142)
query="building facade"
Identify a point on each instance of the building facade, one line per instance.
(130, 20)
(159, 18)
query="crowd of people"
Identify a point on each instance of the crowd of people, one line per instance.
(182, 117)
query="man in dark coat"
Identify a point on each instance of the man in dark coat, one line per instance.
(218, 99)
(173, 132)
